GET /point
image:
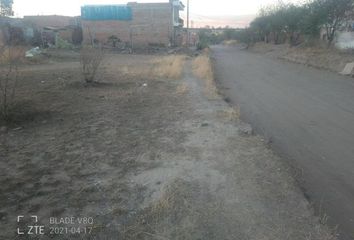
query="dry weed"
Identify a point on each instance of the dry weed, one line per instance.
(9, 54)
(167, 67)
(203, 69)
(155, 220)
(170, 67)
(230, 114)
(230, 42)
(135, 71)
(182, 89)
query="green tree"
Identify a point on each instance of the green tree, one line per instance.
(261, 27)
(292, 16)
(291, 20)
(114, 40)
(311, 23)
(331, 14)
(6, 8)
(245, 36)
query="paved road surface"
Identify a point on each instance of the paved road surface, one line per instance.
(307, 114)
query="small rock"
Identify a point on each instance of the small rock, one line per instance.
(348, 70)
(3, 215)
(205, 124)
(17, 129)
(145, 85)
(3, 129)
(173, 51)
(246, 129)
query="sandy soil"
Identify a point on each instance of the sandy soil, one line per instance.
(147, 153)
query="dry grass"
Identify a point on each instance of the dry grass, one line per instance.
(170, 67)
(203, 69)
(230, 42)
(182, 89)
(154, 221)
(230, 114)
(10, 54)
(167, 67)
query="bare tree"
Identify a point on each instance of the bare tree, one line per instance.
(10, 58)
(91, 59)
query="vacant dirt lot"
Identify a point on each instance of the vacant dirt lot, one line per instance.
(150, 152)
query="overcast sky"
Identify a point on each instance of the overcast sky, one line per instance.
(201, 10)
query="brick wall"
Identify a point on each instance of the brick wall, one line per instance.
(151, 24)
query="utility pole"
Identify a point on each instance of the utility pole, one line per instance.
(188, 35)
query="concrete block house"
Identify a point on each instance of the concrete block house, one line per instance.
(136, 24)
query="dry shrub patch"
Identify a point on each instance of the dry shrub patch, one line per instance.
(183, 205)
(203, 69)
(230, 42)
(230, 113)
(170, 67)
(162, 67)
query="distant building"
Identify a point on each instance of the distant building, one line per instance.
(40, 30)
(16, 31)
(136, 24)
(52, 27)
(56, 21)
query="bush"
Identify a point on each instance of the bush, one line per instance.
(63, 44)
(245, 36)
(114, 40)
(90, 59)
(208, 37)
(202, 45)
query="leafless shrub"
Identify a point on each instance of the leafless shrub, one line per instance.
(91, 59)
(10, 58)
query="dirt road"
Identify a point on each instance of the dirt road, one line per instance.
(307, 115)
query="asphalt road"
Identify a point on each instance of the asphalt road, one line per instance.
(308, 116)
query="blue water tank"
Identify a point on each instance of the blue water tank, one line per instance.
(106, 12)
